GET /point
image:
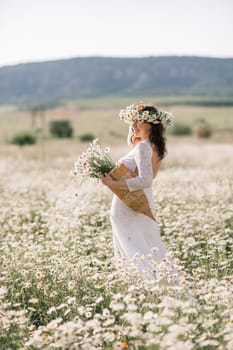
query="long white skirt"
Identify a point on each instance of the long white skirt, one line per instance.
(137, 240)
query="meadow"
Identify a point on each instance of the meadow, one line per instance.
(59, 288)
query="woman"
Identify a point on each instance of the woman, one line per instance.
(135, 234)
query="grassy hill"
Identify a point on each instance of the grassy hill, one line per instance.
(49, 82)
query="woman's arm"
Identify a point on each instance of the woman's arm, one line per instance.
(143, 157)
(145, 172)
(113, 184)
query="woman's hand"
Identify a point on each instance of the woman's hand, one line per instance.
(106, 180)
(135, 140)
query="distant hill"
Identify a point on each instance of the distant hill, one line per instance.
(45, 82)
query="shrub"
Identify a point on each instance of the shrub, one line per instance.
(86, 137)
(202, 129)
(24, 138)
(181, 129)
(115, 134)
(61, 128)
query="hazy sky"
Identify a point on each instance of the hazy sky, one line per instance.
(36, 30)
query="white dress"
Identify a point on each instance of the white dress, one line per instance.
(134, 234)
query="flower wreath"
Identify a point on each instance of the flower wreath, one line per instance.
(131, 114)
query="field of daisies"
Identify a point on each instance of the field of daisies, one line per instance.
(59, 288)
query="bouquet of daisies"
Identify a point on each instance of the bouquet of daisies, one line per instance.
(96, 161)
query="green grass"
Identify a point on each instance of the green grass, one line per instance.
(100, 117)
(119, 102)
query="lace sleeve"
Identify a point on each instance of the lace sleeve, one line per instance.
(143, 154)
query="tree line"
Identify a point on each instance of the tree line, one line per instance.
(49, 82)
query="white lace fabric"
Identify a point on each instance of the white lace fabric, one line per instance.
(142, 157)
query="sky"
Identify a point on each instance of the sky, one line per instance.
(42, 30)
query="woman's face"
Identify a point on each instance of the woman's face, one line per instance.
(141, 130)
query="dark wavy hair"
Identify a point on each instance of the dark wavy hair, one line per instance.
(157, 133)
